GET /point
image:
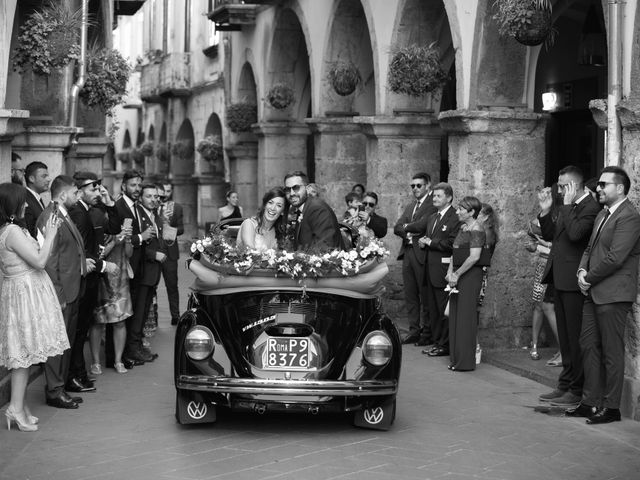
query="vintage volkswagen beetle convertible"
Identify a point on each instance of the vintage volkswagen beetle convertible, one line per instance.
(262, 344)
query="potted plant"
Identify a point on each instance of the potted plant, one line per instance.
(147, 148)
(528, 21)
(182, 148)
(106, 81)
(162, 152)
(416, 70)
(344, 77)
(240, 116)
(48, 39)
(210, 147)
(280, 96)
(124, 156)
(136, 155)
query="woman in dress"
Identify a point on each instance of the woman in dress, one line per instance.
(465, 277)
(267, 229)
(31, 323)
(489, 221)
(114, 304)
(231, 209)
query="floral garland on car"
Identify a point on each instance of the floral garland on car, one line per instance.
(233, 260)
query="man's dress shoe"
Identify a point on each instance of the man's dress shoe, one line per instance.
(582, 410)
(423, 342)
(149, 353)
(438, 352)
(410, 339)
(76, 385)
(425, 351)
(78, 400)
(604, 415)
(62, 400)
(139, 356)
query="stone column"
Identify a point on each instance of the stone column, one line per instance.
(211, 195)
(87, 155)
(10, 125)
(340, 157)
(243, 161)
(185, 192)
(282, 147)
(498, 156)
(46, 144)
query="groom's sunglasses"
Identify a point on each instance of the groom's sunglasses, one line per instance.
(294, 189)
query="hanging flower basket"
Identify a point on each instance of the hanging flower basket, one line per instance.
(106, 83)
(136, 155)
(344, 77)
(124, 157)
(182, 149)
(416, 70)
(162, 152)
(530, 22)
(240, 116)
(147, 148)
(210, 148)
(280, 96)
(48, 39)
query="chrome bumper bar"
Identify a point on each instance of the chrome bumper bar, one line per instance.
(258, 386)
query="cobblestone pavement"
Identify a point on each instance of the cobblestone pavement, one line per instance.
(449, 425)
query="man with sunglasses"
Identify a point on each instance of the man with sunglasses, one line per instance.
(410, 227)
(93, 198)
(317, 226)
(608, 278)
(377, 223)
(569, 232)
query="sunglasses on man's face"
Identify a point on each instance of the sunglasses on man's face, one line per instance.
(93, 184)
(294, 189)
(417, 185)
(368, 204)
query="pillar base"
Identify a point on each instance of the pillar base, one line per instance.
(243, 171)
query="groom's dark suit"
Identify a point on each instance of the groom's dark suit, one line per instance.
(611, 263)
(66, 266)
(442, 230)
(317, 227)
(569, 235)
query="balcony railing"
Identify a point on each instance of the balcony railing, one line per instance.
(231, 15)
(165, 79)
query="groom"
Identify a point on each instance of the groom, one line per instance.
(317, 226)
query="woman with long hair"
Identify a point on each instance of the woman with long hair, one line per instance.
(231, 209)
(31, 324)
(464, 278)
(266, 229)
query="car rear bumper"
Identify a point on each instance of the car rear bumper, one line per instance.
(257, 386)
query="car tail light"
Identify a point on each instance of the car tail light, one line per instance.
(377, 348)
(199, 343)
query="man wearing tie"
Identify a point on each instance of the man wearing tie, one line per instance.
(608, 276)
(410, 226)
(67, 267)
(441, 230)
(37, 178)
(153, 255)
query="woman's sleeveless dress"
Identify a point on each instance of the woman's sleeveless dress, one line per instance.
(31, 323)
(235, 214)
(262, 241)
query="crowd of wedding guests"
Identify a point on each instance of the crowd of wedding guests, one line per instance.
(84, 265)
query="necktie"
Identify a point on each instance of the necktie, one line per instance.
(435, 223)
(415, 209)
(41, 203)
(604, 219)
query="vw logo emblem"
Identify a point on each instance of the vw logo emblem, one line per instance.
(374, 415)
(197, 410)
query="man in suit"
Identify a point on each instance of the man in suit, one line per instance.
(317, 226)
(66, 266)
(410, 226)
(569, 234)
(170, 214)
(371, 219)
(91, 194)
(608, 276)
(17, 169)
(153, 255)
(37, 179)
(441, 230)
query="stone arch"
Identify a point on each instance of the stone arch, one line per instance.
(349, 39)
(247, 88)
(182, 165)
(151, 135)
(213, 129)
(422, 23)
(289, 63)
(126, 141)
(163, 133)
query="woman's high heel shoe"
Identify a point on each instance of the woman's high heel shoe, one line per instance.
(534, 353)
(23, 425)
(31, 418)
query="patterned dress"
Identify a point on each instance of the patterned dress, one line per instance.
(31, 323)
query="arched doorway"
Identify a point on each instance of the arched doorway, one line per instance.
(183, 151)
(213, 131)
(573, 71)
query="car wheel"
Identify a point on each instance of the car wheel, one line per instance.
(378, 416)
(191, 407)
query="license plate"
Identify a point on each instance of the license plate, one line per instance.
(288, 353)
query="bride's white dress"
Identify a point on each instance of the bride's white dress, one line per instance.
(263, 240)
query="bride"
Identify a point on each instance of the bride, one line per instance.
(267, 228)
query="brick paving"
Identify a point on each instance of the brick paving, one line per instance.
(449, 425)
